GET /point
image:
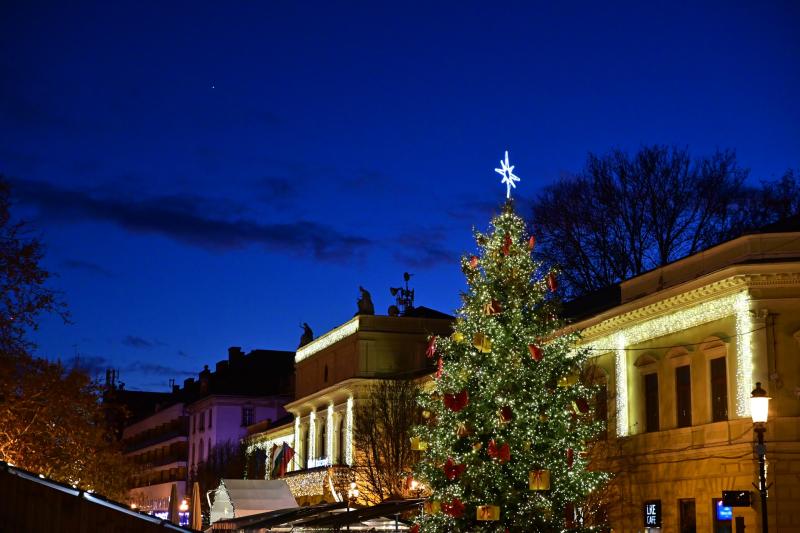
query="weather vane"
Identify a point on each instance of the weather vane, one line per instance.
(507, 171)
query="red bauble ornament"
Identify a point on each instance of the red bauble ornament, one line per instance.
(414, 529)
(552, 282)
(456, 402)
(570, 457)
(453, 471)
(506, 244)
(473, 261)
(439, 368)
(502, 452)
(431, 351)
(455, 508)
(536, 352)
(531, 243)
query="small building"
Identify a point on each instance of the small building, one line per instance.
(168, 445)
(237, 498)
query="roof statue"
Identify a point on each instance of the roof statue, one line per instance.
(307, 336)
(365, 306)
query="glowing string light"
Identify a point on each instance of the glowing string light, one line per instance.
(329, 435)
(312, 437)
(735, 305)
(744, 354)
(348, 433)
(621, 368)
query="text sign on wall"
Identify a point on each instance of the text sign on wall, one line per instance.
(652, 513)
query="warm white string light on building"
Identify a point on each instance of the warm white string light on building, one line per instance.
(735, 305)
(329, 435)
(312, 436)
(348, 434)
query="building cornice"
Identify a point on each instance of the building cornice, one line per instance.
(725, 282)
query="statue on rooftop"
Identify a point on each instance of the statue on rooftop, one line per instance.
(365, 306)
(307, 335)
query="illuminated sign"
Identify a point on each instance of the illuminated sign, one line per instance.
(652, 513)
(724, 512)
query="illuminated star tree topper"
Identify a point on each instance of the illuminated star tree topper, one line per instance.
(507, 171)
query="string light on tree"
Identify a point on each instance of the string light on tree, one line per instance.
(505, 443)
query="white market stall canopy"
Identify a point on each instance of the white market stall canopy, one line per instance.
(235, 498)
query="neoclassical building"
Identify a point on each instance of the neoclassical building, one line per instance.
(679, 350)
(334, 372)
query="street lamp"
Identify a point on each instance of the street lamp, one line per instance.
(759, 411)
(352, 496)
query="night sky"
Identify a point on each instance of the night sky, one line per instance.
(212, 175)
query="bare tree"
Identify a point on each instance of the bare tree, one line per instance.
(382, 431)
(625, 214)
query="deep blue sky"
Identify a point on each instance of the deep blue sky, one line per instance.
(208, 175)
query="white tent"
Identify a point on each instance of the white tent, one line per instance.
(235, 498)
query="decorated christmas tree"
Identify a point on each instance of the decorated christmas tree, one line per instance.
(508, 421)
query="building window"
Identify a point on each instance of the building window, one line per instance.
(651, 402)
(200, 452)
(208, 450)
(247, 416)
(719, 390)
(210, 412)
(323, 441)
(687, 516)
(683, 395)
(202, 421)
(194, 423)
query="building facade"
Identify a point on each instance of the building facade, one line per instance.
(680, 351)
(333, 374)
(169, 444)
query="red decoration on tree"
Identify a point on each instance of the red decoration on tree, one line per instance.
(531, 243)
(453, 471)
(455, 508)
(570, 457)
(439, 368)
(536, 352)
(552, 282)
(456, 402)
(502, 452)
(473, 261)
(506, 244)
(569, 515)
(414, 529)
(581, 405)
(505, 414)
(431, 351)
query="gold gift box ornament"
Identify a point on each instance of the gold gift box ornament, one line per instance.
(487, 513)
(482, 343)
(568, 381)
(539, 480)
(432, 507)
(418, 444)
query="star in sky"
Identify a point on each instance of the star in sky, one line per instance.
(507, 171)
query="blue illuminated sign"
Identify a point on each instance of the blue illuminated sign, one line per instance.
(723, 512)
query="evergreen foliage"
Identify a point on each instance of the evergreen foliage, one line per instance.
(506, 401)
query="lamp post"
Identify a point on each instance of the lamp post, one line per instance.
(759, 411)
(352, 496)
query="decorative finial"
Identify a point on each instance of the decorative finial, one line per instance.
(507, 171)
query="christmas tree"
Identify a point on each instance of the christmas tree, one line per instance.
(508, 421)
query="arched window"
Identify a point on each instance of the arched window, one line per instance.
(323, 441)
(200, 451)
(342, 441)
